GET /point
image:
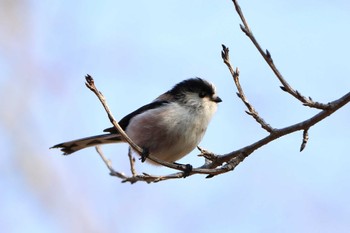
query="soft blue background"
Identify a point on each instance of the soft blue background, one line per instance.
(136, 50)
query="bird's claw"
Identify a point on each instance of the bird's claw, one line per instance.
(144, 154)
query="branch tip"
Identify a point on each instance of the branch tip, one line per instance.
(249, 113)
(283, 88)
(268, 55)
(237, 71)
(244, 29)
(224, 47)
(305, 139)
(225, 53)
(89, 82)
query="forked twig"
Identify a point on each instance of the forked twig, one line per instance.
(268, 58)
(91, 85)
(217, 164)
(108, 163)
(235, 74)
(132, 162)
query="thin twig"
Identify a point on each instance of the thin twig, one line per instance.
(91, 85)
(268, 58)
(209, 156)
(134, 178)
(109, 165)
(218, 164)
(303, 125)
(132, 162)
(235, 74)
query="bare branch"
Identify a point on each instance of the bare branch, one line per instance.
(209, 156)
(235, 74)
(109, 165)
(91, 85)
(277, 133)
(134, 178)
(132, 162)
(217, 164)
(268, 58)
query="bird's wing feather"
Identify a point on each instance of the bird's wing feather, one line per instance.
(124, 122)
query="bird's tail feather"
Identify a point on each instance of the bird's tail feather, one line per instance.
(75, 145)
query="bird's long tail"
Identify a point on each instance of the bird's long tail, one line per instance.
(75, 145)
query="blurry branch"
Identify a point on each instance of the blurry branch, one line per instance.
(217, 164)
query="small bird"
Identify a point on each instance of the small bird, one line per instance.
(168, 128)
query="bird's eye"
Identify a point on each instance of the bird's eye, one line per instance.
(202, 94)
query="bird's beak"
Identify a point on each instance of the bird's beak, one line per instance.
(216, 99)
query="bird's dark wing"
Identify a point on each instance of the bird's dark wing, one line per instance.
(125, 121)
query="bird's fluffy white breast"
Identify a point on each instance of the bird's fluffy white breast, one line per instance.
(172, 130)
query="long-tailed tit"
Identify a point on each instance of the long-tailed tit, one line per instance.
(169, 128)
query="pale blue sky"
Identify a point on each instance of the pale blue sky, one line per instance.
(137, 50)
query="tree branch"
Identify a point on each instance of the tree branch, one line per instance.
(242, 153)
(217, 164)
(268, 58)
(235, 75)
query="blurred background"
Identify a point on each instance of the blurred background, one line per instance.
(136, 51)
